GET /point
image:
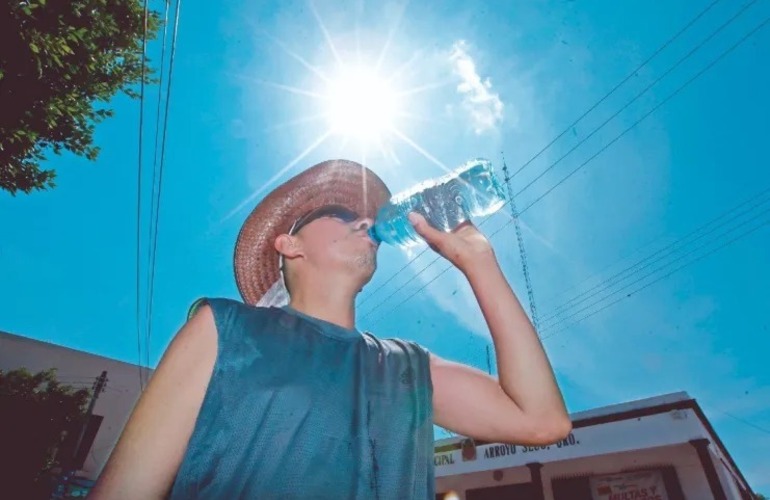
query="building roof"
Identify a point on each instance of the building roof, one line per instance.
(628, 410)
(638, 404)
(603, 412)
(76, 352)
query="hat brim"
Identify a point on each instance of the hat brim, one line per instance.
(333, 182)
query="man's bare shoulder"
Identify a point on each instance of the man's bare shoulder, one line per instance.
(164, 417)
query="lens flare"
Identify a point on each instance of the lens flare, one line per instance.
(361, 105)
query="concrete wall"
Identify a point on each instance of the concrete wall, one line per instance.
(81, 369)
(683, 457)
(660, 429)
(462, 482)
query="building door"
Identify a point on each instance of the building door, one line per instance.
(573, 488)
(522, 491)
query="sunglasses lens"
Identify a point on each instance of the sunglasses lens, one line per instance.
(344, 214)
(335, 211)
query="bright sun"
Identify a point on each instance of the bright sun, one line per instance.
(358, 103)
(361, 105)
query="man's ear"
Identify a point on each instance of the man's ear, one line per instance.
(288, 246)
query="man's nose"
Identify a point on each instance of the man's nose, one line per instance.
(363, 224)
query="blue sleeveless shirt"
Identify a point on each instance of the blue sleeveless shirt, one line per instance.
(299, 408)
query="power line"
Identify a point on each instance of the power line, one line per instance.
(637, 122)
(139, 196)
(640, 94)
(620, 84)
(665, 251)
(395, 292)
(82, 384)
(380, 318)
(160, 175)
(647, 285)
(392, 277)
(414, 276)
(522, 252)
(681, 257)
(153, 206)
(625, 257)
(660, 49)
(668, 98)
(437, 276)
(743, 421)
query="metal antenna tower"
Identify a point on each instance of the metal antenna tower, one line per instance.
(522, 251)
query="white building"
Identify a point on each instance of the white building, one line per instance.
(662, 448)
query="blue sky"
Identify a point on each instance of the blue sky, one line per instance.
(477, 81)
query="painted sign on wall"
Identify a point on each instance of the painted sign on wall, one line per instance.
(650, 431)
(642, 485)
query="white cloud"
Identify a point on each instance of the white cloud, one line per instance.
(482, 104)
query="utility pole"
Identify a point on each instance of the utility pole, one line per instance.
(522, 251)
(67, 468)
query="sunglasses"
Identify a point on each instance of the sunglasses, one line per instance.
(338, 212)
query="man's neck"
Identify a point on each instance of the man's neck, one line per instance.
(338, 309)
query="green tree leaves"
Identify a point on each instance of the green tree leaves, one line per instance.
(58, 61)
(35, 410)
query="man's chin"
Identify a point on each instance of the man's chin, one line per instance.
(366, 279)
(366, 264)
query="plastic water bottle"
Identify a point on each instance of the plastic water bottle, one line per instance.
(469, 191)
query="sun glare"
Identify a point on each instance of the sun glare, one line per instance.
(361, 105)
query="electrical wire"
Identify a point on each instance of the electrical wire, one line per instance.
(618, 85)
(569, 127)
(637, 122)
(437, 276)
(660, 278)
(392, 277)
(646, 115)
(681, 257)
(640, 94)
(160, 172)
(665, 251)
(746, 233)
(522, 253)
(395, 292)
(381, 317)
(153, 206)
(743, 421)
(556, 297)
(139, 197)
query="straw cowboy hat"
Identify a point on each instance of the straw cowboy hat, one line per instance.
(333, 182)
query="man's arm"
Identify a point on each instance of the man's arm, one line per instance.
(525, 406)
(147, 456)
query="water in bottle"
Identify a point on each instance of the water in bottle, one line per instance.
(471, 190)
